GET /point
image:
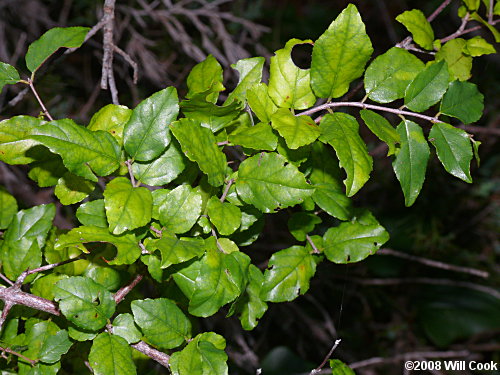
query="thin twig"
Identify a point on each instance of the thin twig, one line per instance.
(368, 106)
(313, 245)
(479, 129)
(4, 278)
(160, 357)
(434, 263)
(459, 31)
(318, 369)
(45, 111)
(438, 10)
(122, 292)
(131, 62)
(226, 190)
(54, 265)
(490, 12)
(128, 163)
(32, 362)
(222, 143)
(466, 31)
(108, 49)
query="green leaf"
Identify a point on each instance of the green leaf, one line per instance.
(127, 247)
(112, 119)
(266, 183)
(57, 37)
(387, 77)
(340, 368)
(463, 101)
(84, 302)
(260, 102)
(411, 160)
(8, 75)
(477, 46)
(339, 55)
(45, 285)
(459, 64)
(341, 131)
(257, 137)
(127, 207)
(420, 29)
(288, 274)
(204, 355)
(352, 242)
(428, 87)
(8, 208)
(225, 216)
(174, 250)
(180, 209)
(92, 213)
(381, 128)
(206, 77)
(297, 130)
(48, 167)
(250, 75)
(47, 342)
(83, 151)
(147, 133)
(302, 223)
(24, 239)
(199, 145)
(72, 189)
(496, 9)
(493, 30)
(289, 86)
(221, 279)
(124, 326)
(475, 147)
(110, 354)
(472, 5)
(104, 275)
(453, 149)
(14, 139)
(162, 322)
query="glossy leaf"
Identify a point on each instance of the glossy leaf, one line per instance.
(45, 285)
(127, 207)
(47, 342)
(24, 239)
(92, 213)
(127, 247)
(83, 151)
(340, 54)
(110, 354)
(15, 141)
(459, 64)
(453, 149)
(147, 133)
(124, 326)
(206, 77)
(463, 101)
(112, 119)
(180, 209)
(420, 29)
(260, 102)
(257, 137)
(411, 160)
(288, 274)
(225, 216)
(381, 128)
(340, 368)
(204, 355)
(353, 241)
(289, 86)
(341, 131)
(199, 145)
(296, 130)
(250, 75)
(8, 208)
(8, 75)
(428, 87)
(48, 167)
(477, 46)
(174, 250)
(387, 77)
(266, 183)
(58, 37)
(108, 277)
(84, 302)
(302, 223)
(221, 279)
(72, 189)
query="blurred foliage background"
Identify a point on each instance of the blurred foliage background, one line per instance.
(383, 307)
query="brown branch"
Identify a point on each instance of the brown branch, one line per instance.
(438, 10)
(45, 111)
(130, 172)
(434, 263)
(313, 245)
(479, 130)
(107, 77)
(226, 190)
(32, 362)
(18, 297)
(459, 31)
(54, 265)
(160, 357)
(131, 62)
(122, 292)
(466, 31)
(317, 370)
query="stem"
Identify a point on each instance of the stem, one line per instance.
(32, 362)
(490, 12)
(122, 292)
(438, 10)
(160, 357)
(318, 369)
(226, 190)
(130, 172)
(369, 106)
(45, 111)
(308, 238)
(459, 31)
(466, 31)
(53, 265)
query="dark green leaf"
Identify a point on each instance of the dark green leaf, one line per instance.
(260, 102)
(225, 216)
(8, 75)
(162, 322)
(110, 354)
(47, 342)
(174, 250)
(411, 160)
(258, 137)
(112, 119)
(381, 128)
(48, 167)
(428, 87)
(301, 224)
(108, 277)
(124, 326)
(92, 213)
(58, 37)
(266, 183)
(463, 101)
(84, 302)
(250, 75)
(206, 77)
(420, 29)
(72, 189)
(297, 130)
(453, 149)
(199, 145)
(147, 133)
(14, 139)
(8, 208)
(340, 54)
(180, 209)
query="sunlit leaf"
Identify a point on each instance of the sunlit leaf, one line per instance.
(420, 29)
(225, 216)
(296, 130)
(459, 64)
(72, 189)
(174, 250)
(206, 77)
(112, 119)
(124, 326)
(8, 208)
(250, 74)
(180, 209)
(258, 137)
(260, 102)
(15, 141)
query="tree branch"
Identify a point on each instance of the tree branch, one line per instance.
(32, 362)
(317, 370)
(44, 109)
(160, 357)
(226, 190)
(122, 292)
